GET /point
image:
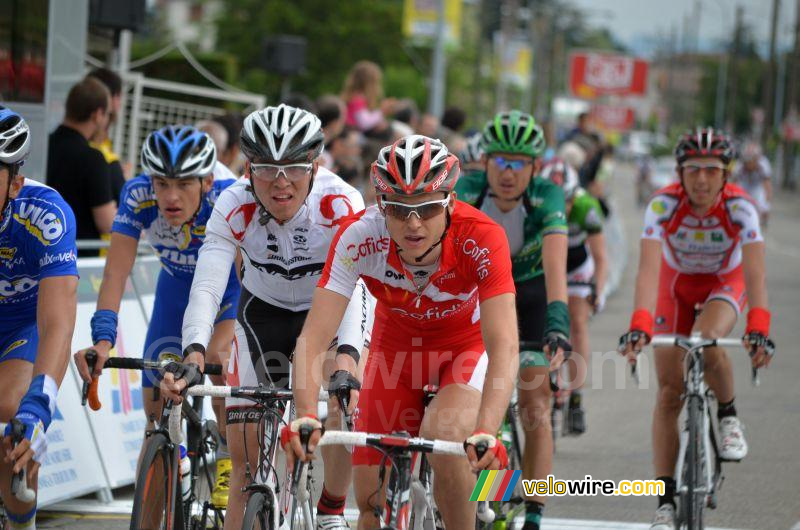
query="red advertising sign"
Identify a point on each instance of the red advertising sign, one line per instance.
(593, 74)
(612, 117)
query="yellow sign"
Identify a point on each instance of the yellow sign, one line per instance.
(420, 17)
(514, 59)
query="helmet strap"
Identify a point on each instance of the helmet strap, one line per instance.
(5, 210)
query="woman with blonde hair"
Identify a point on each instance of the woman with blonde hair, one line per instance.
(363, 95)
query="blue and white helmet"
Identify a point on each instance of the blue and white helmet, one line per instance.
(15, 137)
(178, 152)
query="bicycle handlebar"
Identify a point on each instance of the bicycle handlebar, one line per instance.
(19, 481)
(420, 445)
(89, 392)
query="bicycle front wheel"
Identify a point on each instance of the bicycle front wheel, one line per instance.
(258, 513)
(156, 496)
(694, 498)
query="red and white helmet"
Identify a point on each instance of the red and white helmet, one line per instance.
(563, 175)
(704, 141)
(414, 165)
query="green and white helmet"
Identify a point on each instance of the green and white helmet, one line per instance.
(513, 132)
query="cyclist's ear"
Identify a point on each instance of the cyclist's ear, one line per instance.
(452, 204)
(247, 169)
(537, 165)
(207, 183)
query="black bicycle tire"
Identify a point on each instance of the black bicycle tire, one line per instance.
(253, 512)
(155, 444)
(692, 507)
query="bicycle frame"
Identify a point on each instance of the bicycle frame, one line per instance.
(697, 435)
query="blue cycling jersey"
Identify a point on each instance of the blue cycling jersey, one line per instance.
(37, 241)
(177, 247)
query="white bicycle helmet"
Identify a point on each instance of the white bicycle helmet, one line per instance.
(15, 137)
(282, 133)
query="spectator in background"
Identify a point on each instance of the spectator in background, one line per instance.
(452, 122)
(230, 156)
(300, 101)
(76, 170)
(454, 118)
(363, 96)
(331, 112)
(406, 111)
(345, 151)
(102, 141)
(429, 126)
(754, 174)
(219, 135)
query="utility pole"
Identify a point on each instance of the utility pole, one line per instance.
(436, 101)
(769, 80)
(508, 14)
(792, 102)
(734, 70)
(477, 81)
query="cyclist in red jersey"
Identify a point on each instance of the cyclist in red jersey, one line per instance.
(703, 242)
(441, 273)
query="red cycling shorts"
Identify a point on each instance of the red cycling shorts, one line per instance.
(401, 363)
(679, 293)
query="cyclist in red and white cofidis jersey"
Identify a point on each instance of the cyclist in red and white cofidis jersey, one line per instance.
(703, 242)
(441, 273)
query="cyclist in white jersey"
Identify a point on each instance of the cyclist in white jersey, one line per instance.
(282, 216)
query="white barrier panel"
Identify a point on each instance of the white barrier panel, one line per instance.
(118, 427)
(71, 467)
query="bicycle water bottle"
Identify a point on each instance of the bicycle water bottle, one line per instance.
(186, 474)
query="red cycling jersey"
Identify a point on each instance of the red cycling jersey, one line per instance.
(430, 336)
(702, 259)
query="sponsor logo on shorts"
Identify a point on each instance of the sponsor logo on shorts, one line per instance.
(244, 415)
(13, 346)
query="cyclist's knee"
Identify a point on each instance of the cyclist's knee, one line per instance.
(669, 397)
(365, 486)
(534, 411)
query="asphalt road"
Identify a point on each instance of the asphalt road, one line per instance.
(761, 492)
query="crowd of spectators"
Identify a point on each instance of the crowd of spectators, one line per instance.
(84, 167)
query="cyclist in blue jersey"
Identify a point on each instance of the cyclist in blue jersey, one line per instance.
(171, 203)
(38, 297)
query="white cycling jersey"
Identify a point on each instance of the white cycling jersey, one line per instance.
(282, 263)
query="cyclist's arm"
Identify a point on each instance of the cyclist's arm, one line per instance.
(768, 189)
(755, 276)
(119, 263)
(55, 320)
(501, 339)
(208, 286)
(646, 292)
(327, 310)
(597, 246)
(554, 263)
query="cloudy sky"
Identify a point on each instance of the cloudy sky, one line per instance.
(639, 22)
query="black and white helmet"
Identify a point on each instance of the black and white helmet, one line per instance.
(15, 137)
(282, 133)
(178, 152)
(473, 150)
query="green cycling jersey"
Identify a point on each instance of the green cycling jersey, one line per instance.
(544, 214)
(584, 219)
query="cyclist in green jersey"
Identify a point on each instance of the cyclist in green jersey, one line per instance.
(587, 268)
(531, 210)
